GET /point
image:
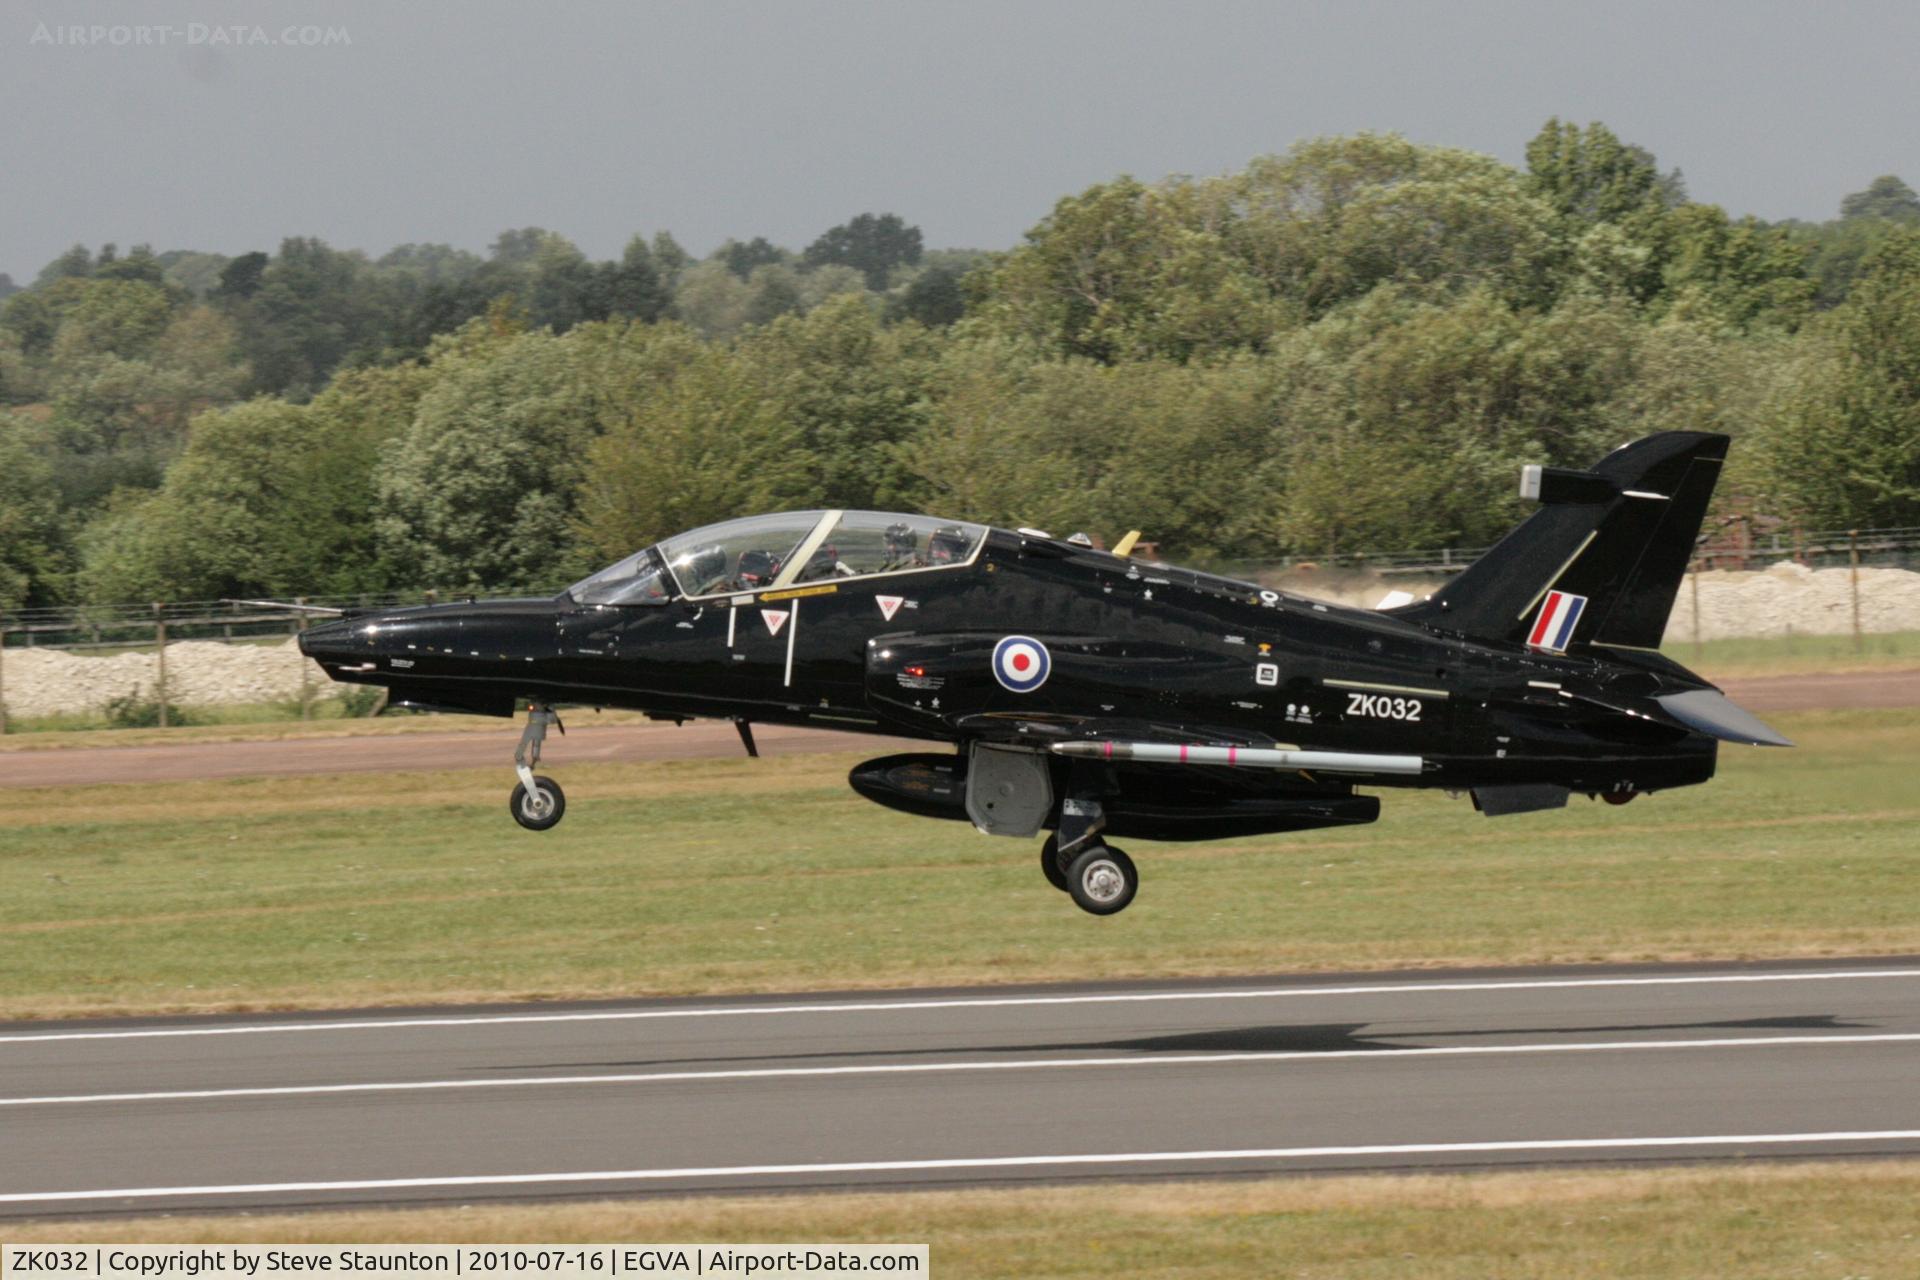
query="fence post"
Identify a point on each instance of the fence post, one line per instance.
(1853, 584)
(3, 672)
(160, 656)
(306, 681)
(1695, 576)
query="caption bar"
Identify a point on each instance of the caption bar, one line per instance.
(479, 1262)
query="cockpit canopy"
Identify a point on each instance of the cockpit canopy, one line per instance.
(760, 552)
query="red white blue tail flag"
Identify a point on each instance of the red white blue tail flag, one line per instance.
(1559, 615)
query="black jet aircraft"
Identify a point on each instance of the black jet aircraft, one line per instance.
(1094, 695)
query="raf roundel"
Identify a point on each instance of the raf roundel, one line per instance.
(1021, 664)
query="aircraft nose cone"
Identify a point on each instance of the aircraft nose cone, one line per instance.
(329, 639)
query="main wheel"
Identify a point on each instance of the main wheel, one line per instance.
(1102, 880)
(1050, 864)
(540, 809)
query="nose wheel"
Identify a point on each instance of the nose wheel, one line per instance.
(540, 807)
(537, 802)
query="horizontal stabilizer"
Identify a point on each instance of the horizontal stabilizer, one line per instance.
(1711, 712)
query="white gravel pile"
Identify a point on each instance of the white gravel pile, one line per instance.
(1784, 599)
(1791, 599)
(43, 682)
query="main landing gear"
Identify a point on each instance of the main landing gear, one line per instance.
(1100, 878)
(537, 802)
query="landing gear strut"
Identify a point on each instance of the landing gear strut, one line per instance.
(537, 802)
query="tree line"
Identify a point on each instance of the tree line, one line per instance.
(1352, 345)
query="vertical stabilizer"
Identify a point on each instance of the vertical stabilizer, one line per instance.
(1600, 562)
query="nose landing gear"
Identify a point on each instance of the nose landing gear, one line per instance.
(537, 803)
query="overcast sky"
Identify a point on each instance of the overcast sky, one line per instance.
(448, 122)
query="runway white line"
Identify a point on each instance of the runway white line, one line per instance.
(975, 1162)
(965, 1002)
(912, 1068)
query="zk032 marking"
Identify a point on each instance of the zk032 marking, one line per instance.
(1383, 706)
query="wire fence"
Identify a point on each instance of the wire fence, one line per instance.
(152, 626)
(1738, 546)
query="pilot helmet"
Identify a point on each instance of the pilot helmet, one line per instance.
(900, 540)
(948, 544)
(758, 568)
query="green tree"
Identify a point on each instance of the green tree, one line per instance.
(310, 313)
(933, 297)
(268, 497)
(197, 274)
(669, 258)
(1402, 421)
(872, 244)
(1743, 273)
(773, 290)
(1336, 217)
(1189, 269)
(1843, 442)
(479, 490)
(117, 317)
(240, 279)
(1077, 446)
(75, 264)
(35, 550)
(711, 299)
(701, 440)
(741, 258)
(1126, 271)
(1885, 197)
(139, 264)
(633, 287)
(852, 390)
(1591, 175)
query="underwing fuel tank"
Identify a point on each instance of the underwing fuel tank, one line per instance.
(1147, 804)
(924, 784)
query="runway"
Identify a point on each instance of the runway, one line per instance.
(1381, 1071)
(587, 744)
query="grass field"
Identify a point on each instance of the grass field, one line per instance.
(740, 875)
(1792, 655)
(1807, 1222)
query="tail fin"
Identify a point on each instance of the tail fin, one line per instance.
(1612, 544)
